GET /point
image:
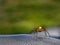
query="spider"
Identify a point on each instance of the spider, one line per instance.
(40, 29)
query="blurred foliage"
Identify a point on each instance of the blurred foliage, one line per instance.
(21, 16)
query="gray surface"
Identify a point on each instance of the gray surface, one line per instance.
(26, 39)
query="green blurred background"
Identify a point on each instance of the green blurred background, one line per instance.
(21, 16)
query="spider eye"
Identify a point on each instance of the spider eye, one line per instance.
(40, 27)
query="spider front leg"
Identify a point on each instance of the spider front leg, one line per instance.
(47, 34)
(37, 37)
(34, 35)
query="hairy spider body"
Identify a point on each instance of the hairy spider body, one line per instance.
(39, 29)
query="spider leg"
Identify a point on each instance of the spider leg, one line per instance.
(46, 32)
